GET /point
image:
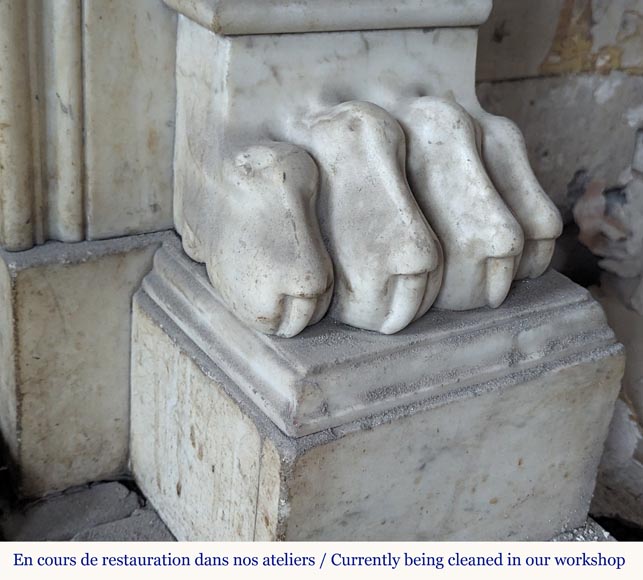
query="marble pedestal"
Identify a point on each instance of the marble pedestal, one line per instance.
(65, 319)
(484, 425)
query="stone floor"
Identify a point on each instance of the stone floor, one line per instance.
(117, 512)
(108, 512)
(114, 512)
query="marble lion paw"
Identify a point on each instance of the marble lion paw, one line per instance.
(388, 261)
(351, 172)
(263, 249)
(367, 187)
(505, 157)
(375, 217)
(481, 238)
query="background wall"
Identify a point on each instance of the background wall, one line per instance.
(570, 73)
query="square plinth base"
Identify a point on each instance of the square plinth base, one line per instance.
(65, 323)
(513, 458)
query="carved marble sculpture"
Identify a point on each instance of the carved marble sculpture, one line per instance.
(335, 154)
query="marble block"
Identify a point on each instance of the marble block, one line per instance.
(281, 16)
(65, 314)
(480, 425)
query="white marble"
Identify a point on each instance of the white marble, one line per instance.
(65, 315)
(62, 124)
(16, 178)
(505, 157)
(359, 104)
(482, 240)
(309, 384)
(8, 393)
(87, 103)
(484, 425)
(280, 16)
(517, 463)
(248, 229)
(214, 452)
(129, 54)
(387, 259)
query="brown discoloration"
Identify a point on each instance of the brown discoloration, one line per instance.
(572, 46)
(216, 25)
(573, 49)
(608, 59)
(3, 126)
(153, 140)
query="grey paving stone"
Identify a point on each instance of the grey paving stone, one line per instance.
(144, 525)
(591, 532)
(62, 517)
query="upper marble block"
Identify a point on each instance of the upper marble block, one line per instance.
(284, 16)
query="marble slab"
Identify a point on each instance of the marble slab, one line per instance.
(278, 16)
(333, 373)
